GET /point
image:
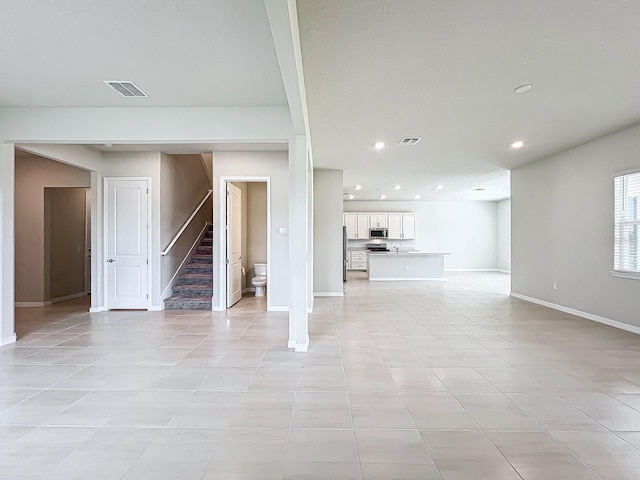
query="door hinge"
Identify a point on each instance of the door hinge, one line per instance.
(147, 261)
(226, 227)
(147, 191)
(227, 261)
(227, 193)
(147, 296)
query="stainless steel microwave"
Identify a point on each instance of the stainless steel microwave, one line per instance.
(378, 233)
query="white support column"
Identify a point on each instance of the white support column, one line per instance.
(7, 256)
(310, 298)
(298, 253)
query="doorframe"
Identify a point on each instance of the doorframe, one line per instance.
(222, 248)
(105, 239)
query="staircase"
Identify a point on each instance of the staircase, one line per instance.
(194, 287)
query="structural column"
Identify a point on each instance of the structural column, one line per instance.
(7, 256)
(298, 244)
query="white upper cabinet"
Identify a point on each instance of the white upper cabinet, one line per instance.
(363, 226)
(408, 226)
(378, 220)
(402, 226)
(351, 222)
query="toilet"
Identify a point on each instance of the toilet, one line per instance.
(259, 281)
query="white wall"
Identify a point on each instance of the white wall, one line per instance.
(183, 185)
(32, 174)
(503, 234)
(467, 230)
(562, 228)
(262, 164)
(327, 228)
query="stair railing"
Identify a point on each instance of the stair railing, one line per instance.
(186, 224)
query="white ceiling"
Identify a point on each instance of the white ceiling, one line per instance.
(379, 70)
(57, 53)
(375, 70)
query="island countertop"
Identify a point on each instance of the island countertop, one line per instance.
(405, 266)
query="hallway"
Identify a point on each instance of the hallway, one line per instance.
(429, 380)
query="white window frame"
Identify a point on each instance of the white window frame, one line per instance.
(620, 225)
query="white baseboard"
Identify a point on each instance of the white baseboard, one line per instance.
(217, 308)
(8, 340)
(328, 294)
(68, 297)
(471, 270)
(101, 308)
(32, 304)
(503, 271)
(278, 308)
(302, 347)
(156, 308)
(579, 313)
(402, 279)
(291, 344)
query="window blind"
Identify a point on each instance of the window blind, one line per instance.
(627, 223)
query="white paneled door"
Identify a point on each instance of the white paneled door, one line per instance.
(234, 244)
(127, 243)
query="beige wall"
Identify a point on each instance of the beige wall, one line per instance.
(562, 229)
(32, 175)
(64, 249)
(256, 223)
(183, 185)
(503, 235)
(327, 232)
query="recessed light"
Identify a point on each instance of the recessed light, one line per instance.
(383, 197)
(517, 144)
(479, 189)
(351, 197)
(379, 145)
(358, 187)
(397, 187)
(524, 88)
(438, 187)
(416, 197)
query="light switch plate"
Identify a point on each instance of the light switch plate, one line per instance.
(283, 230)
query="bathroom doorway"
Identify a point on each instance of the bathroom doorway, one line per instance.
(245, 251)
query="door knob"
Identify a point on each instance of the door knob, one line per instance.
(111, 260)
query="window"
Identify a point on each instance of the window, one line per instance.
(627, 224)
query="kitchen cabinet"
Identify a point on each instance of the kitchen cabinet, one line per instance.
(378, 220)
(357, 261)
(357, 225)
(350, 221)
(402, 226)
(363, 226)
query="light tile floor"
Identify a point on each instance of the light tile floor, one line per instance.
(445, 380)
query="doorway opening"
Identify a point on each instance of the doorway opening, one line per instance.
(246, 244)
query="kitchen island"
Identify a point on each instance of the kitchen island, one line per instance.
(403, 266)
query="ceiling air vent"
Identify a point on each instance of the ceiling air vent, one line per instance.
(409, 141)
(126, 88)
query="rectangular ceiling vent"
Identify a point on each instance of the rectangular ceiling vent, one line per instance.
(126, 88)
(409, 141)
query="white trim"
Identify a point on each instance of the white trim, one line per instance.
(98, 309)
(278, 308)
(503, 271)
(155, 308)
(195, 244)
(579, 313)
(32, 304)
(291, 344)
(105, 232)
(68, 297)
(328, 294)
(471, 270)
(8, 340)
(302, 347)
(629, 275)
(222, 244)
(403, 279)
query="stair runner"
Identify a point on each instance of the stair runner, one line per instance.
(194, 287)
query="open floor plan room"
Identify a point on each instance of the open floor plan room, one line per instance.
(448, 380)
